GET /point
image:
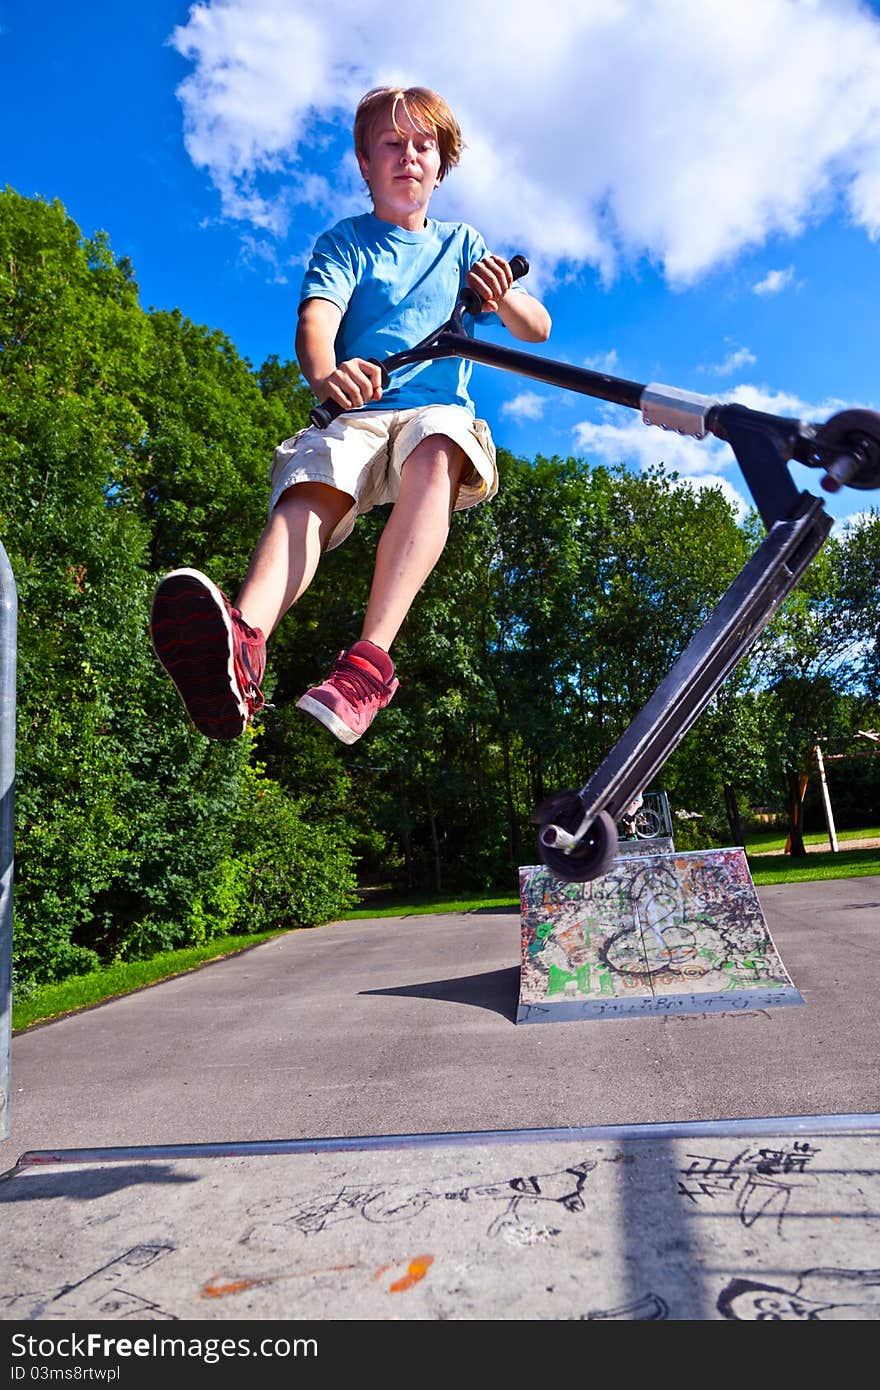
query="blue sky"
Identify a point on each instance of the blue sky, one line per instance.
(696, 185)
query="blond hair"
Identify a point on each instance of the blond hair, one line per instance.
(425, 109)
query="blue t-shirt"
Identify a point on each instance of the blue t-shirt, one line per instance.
(394, 287)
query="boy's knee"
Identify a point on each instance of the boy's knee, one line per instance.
(311, 506)
(437, 458)
(319, 498)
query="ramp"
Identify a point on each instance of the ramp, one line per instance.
(736, 1220)
(658, 934)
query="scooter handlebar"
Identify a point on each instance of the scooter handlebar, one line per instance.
(322, 414)
(472, 302)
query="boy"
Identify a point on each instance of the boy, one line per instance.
(376, 284)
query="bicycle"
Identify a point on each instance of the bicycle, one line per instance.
(643, 825)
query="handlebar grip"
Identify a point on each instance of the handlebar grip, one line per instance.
(472, 301)
(322, 414)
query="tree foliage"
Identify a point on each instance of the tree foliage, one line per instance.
(128, 441)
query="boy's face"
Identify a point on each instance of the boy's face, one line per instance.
(402, 167)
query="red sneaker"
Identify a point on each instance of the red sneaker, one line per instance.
(214, 658)
(361, 682)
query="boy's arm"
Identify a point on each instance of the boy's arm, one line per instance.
(522, 315)
(351, 383)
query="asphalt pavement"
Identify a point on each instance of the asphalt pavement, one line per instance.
(398, 1034)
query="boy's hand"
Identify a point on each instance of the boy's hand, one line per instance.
(352, 384)
(491, 278)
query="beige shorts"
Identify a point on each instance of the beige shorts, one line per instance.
(363, 451)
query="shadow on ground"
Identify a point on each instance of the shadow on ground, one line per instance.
(497, 990)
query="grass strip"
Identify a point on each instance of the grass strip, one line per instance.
(420, 907)
(768, 841)
(781, 868)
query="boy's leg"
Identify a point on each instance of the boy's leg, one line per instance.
(287, 553)
(214, 654)
(362, 680)
(415, 535)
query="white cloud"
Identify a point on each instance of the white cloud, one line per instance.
(854, 522)
(621, 436)
(736, 358)
(600, 132)
(774, 281)
(784, 403)
(602, 361)
(526, 406)
(259, 250)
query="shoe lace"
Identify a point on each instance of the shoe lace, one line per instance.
(252, 692)
(356, 683)
(255, 698)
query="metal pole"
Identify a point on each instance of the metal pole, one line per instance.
(8, 656)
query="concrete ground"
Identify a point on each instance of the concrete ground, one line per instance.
(531, 1150)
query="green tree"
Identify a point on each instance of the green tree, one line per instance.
(130, 442)
(810, 660)
(858, 593)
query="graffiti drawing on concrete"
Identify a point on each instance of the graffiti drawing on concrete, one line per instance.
(106, 1292)
(819, 1295)
(762, 1181)
(544, 1194)
(651, 1308)
(657, 934)
(777, 1223)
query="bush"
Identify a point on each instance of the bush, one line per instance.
(291, 872)
(220, 909)
(129, 442)
(691, 830)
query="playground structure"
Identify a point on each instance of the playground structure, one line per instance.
(819, 759)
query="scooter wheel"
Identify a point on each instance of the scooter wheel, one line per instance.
(591, 858)
(856, 429)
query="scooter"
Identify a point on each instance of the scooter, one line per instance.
(577, 836)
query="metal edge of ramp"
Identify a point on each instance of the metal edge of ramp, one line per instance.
(681, 1129)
